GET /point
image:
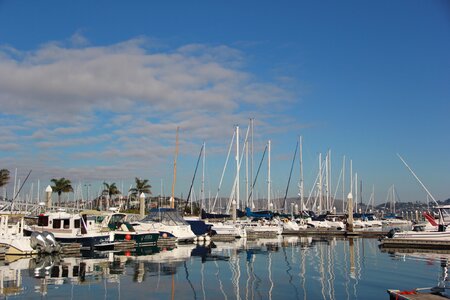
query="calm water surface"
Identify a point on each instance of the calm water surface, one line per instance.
(283, 268)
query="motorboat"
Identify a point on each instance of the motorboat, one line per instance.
(15, 243)
(70, 228)
(166, 221)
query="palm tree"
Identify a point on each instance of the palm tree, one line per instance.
(110, 189)
(4, 177)
(142, 186)
(61, 185)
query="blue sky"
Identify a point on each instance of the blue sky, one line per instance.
(94, 91)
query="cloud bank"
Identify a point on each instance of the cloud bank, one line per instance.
(75, 109)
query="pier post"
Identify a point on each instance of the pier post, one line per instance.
(142, 205)
(48, 193)
(417, 216)
(292, 211)
(233, 210)
(350, 212)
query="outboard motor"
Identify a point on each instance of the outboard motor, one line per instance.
(52, 245)
(391, 232)
(37, 241)
(44, 242)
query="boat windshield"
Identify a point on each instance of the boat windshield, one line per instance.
(167, 216)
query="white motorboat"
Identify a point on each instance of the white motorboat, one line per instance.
(441, 232)
(70, 228)
(169, 221)
(11, 236)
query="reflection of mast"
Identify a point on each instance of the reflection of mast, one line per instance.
(203, 280)
(331, 271)
(288, 270)
(322, 271)
(270, 275)
(188, 280)
(220, 282)
(303, 271)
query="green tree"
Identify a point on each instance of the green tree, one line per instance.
(142, 186)
(4, 177)
(61, 185)
(110, 189)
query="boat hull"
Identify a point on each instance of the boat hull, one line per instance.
(141, 239)
(87, 242)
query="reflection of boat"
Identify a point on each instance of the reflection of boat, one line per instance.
(176, 253)
(11, 277)
(54, 270)
(430, 258)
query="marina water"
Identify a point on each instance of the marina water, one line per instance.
(281, 268)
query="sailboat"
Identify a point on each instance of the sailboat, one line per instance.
(392, 218)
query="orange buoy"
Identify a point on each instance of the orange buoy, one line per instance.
(128, 237)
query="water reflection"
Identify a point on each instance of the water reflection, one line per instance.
(283, 267)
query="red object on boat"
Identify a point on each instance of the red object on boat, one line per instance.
(128, 237)
(430, 218)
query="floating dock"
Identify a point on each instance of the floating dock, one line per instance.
(415, 244)
(70, 249)
(166, 241)
(335, 232)
(223, 237)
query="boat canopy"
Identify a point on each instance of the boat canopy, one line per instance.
(167, 216)
(443, 207)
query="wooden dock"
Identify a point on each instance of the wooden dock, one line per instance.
(334, 232)
(414, 244)
(166, 241)
(418, 294)
(223, 237)
(71, 249)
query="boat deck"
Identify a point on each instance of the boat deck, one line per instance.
(414, 295)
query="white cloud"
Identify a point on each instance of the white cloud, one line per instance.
(116, 108)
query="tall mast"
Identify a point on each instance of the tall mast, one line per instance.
(202, 196)
(351, 177)
(327, 181)
(172, 199)
(251, 163)
(356, 192)
(351, 180)
(268, 175)
(237, 166)
(246, 173)
(343, 184)
(39, 192)
(301, 174)
(320, 183)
